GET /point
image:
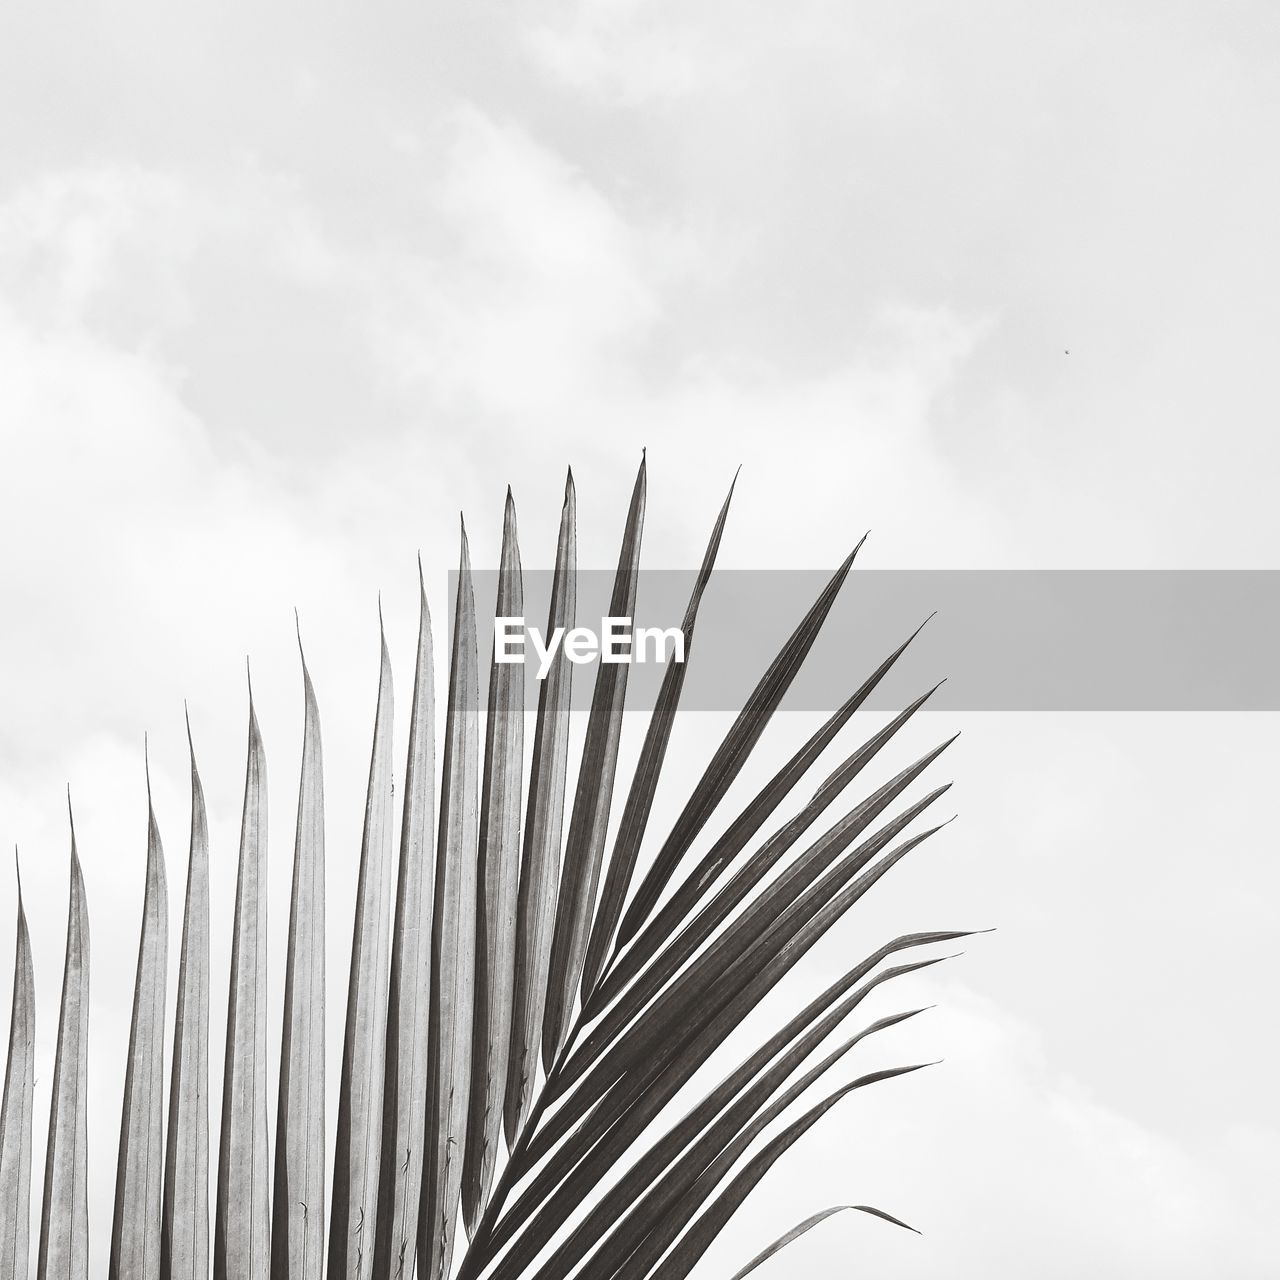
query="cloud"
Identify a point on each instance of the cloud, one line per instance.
(1007, 1165)
(631, 52)
(536, 275)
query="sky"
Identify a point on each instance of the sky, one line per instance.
(285, 288)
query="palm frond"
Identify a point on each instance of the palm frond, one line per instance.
(358, 1155)
(567, 998)
(64, 1222)
(644, 786)
(544, 823)
(732, 753)
(803, 1228)
(184, 1239)
(695, 1242)
(409, 986)
(453, 939)
(15, 1111)
(135, 1231)
(242, 1217)
(498, 892)
(593, 796)
(297, 1223)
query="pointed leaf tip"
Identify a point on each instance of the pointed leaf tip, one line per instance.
(887, 1217)
(302, 657)
(919, 628)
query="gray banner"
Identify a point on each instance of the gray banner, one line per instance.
(1067, 640)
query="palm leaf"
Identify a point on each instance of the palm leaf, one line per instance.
(751, 874)
(644, 785)
(184, 1239)
(732, 753)
(540, 864)
(297, 1225)
(593, 796)
(682, 1259)
(792, 913)
(498, 893)
(674, 985)
(358, 1154)
(648, 1230)
(803, 1228)
(453, 944)
(646, 1171)
(816, 1023)
(242, 1217)
(64, 1224)
(497, 957)
(405, 1090)
(15, 1112)
(135, 1231)
(670, 1057)
(608, 1128)
(676, 911)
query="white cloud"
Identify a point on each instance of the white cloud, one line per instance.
(536, 281)
(635, 52)
(1006, 1165)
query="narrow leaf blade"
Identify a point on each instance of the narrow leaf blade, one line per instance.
(453, 944)
(242, 1215)
(297, 1223)
(694, 1244)
(544, 819)
(135, 1232)
(644, 786)
(732, 754)
(15, 1112)
(405, 1090)
(358, 1150)
(498, 893)
(800, 1229)
(803, 1228)
(593, 797)
(184, 1240)
(64, 1226)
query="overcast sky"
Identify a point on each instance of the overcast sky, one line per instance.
(283, 289)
